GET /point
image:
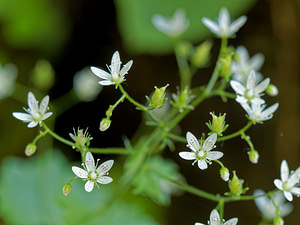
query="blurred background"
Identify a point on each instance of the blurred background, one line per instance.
(49, 41)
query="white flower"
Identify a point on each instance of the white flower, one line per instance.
(35, 114)
(8, 74)
(92, 174)
(215, 219)
(223, 27)
(267, 208)
(288, 183)
(245, 64)
(85, 85)
(201, 153)
(116, 76)
(173, 26)
(258, 113)
(252, 91)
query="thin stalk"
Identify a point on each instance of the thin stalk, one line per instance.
(57, 137)
(237, 133)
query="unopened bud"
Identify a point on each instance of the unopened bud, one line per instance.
(202, 54)
(253, 156)
(104, 124)
(224, 173)
(226, 66)
(30, 149)
(43, 75)
(278, 221)
(218, 124)
(272, 90)
(158, 98)
(67, 189)
(236, 185)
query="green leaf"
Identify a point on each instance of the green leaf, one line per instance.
(31, 193)
(148, 183)
(140, 36)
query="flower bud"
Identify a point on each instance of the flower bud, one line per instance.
(218, 124)
(30, 149)
(224, 173)
(67, 189)
(272, 90)
(226, 66)
(43, 75)
(202, 54)
(236, 185)
(182, 100)
(104, 124)
(158, 98)
(278, 221)
(253, 156)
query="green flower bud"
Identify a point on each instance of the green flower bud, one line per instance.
(181, 100)
(30, 149)
(67, 189)
(218, 124)
(81, 139)
(104, 124)
(253, 156)
(226, 66)
(43, 75)
(236, 185)
(158, 98)
(272, 90)
(224, 173)
(278, 221)
(201, 54)
(184, 48)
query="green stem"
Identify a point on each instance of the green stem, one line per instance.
(237, 133)
(176, 137)
(247, 139)
(221, 208)
(57, 137)
(39, 136)
(184, 69)
(138, 105)
(120, 151)
(112, 107)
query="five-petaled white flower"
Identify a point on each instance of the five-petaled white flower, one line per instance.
(173, 26)
(223, 27)
(288, 183)
(267, 208)
(258, 113)
(201, 153)
(35, 114)
(92, 174)
(252, 91)
(215, 219)
(116, 75)
(243, 66)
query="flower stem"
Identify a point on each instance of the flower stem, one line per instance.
(235, 134)
(57, 137)
(39, 136)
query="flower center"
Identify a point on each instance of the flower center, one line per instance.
(249, 94)
(36, 116)
(201, 154)
(286, 186)
(93, 175)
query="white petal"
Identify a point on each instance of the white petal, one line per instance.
(125, 68)
(209, 143)
(232, 221)
(256, 62)
(237, 87)
(242, 53)
(294, 178)
(192, 141)
(89, 162)
(262, 86)
(105, 167)
(296, 191)
(202, 164)
(161, 23)
(23, 116)
(104, 180)
(267, 114)
(278, 184)
(237, 24)
(214, 218)
(261, 202)
(115, 63)
(89, 185)
(284, 171)
(187, 155)
(211, 25)
(288, 196)
(44, 104)
(286, 209)
(224, 18)
(106, 82)
(214, 155)
(80, 172)
(100, 73)
(251, 81)
(46, 116)
(32, 124)
(32, 102)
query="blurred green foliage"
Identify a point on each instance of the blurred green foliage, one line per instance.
(140, 36)
(31, 193)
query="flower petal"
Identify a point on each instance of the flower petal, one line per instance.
(202, 164)
(44, 104)
(256, 62)
(115, 63)
(89, 162)
(278, 184)
(106, 82)
(237, 87)
(211, 25)
(80, 172)
(251, 81)
(294, 178)
(192, 141)
(23, 116)
(268, 113)
(214, 218)
(296, 191)
(187, 155)
(101, 73)
(288, 196)
(209, 143)
(284, 171)
(32, 102)
(47, 115)
(262, 86)
(105, 167)
(125, 68)
(224, 18)
(32, 124)
(237, 24)
(214, 155)
(104, 180)
(232, 221)
(89, 185)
